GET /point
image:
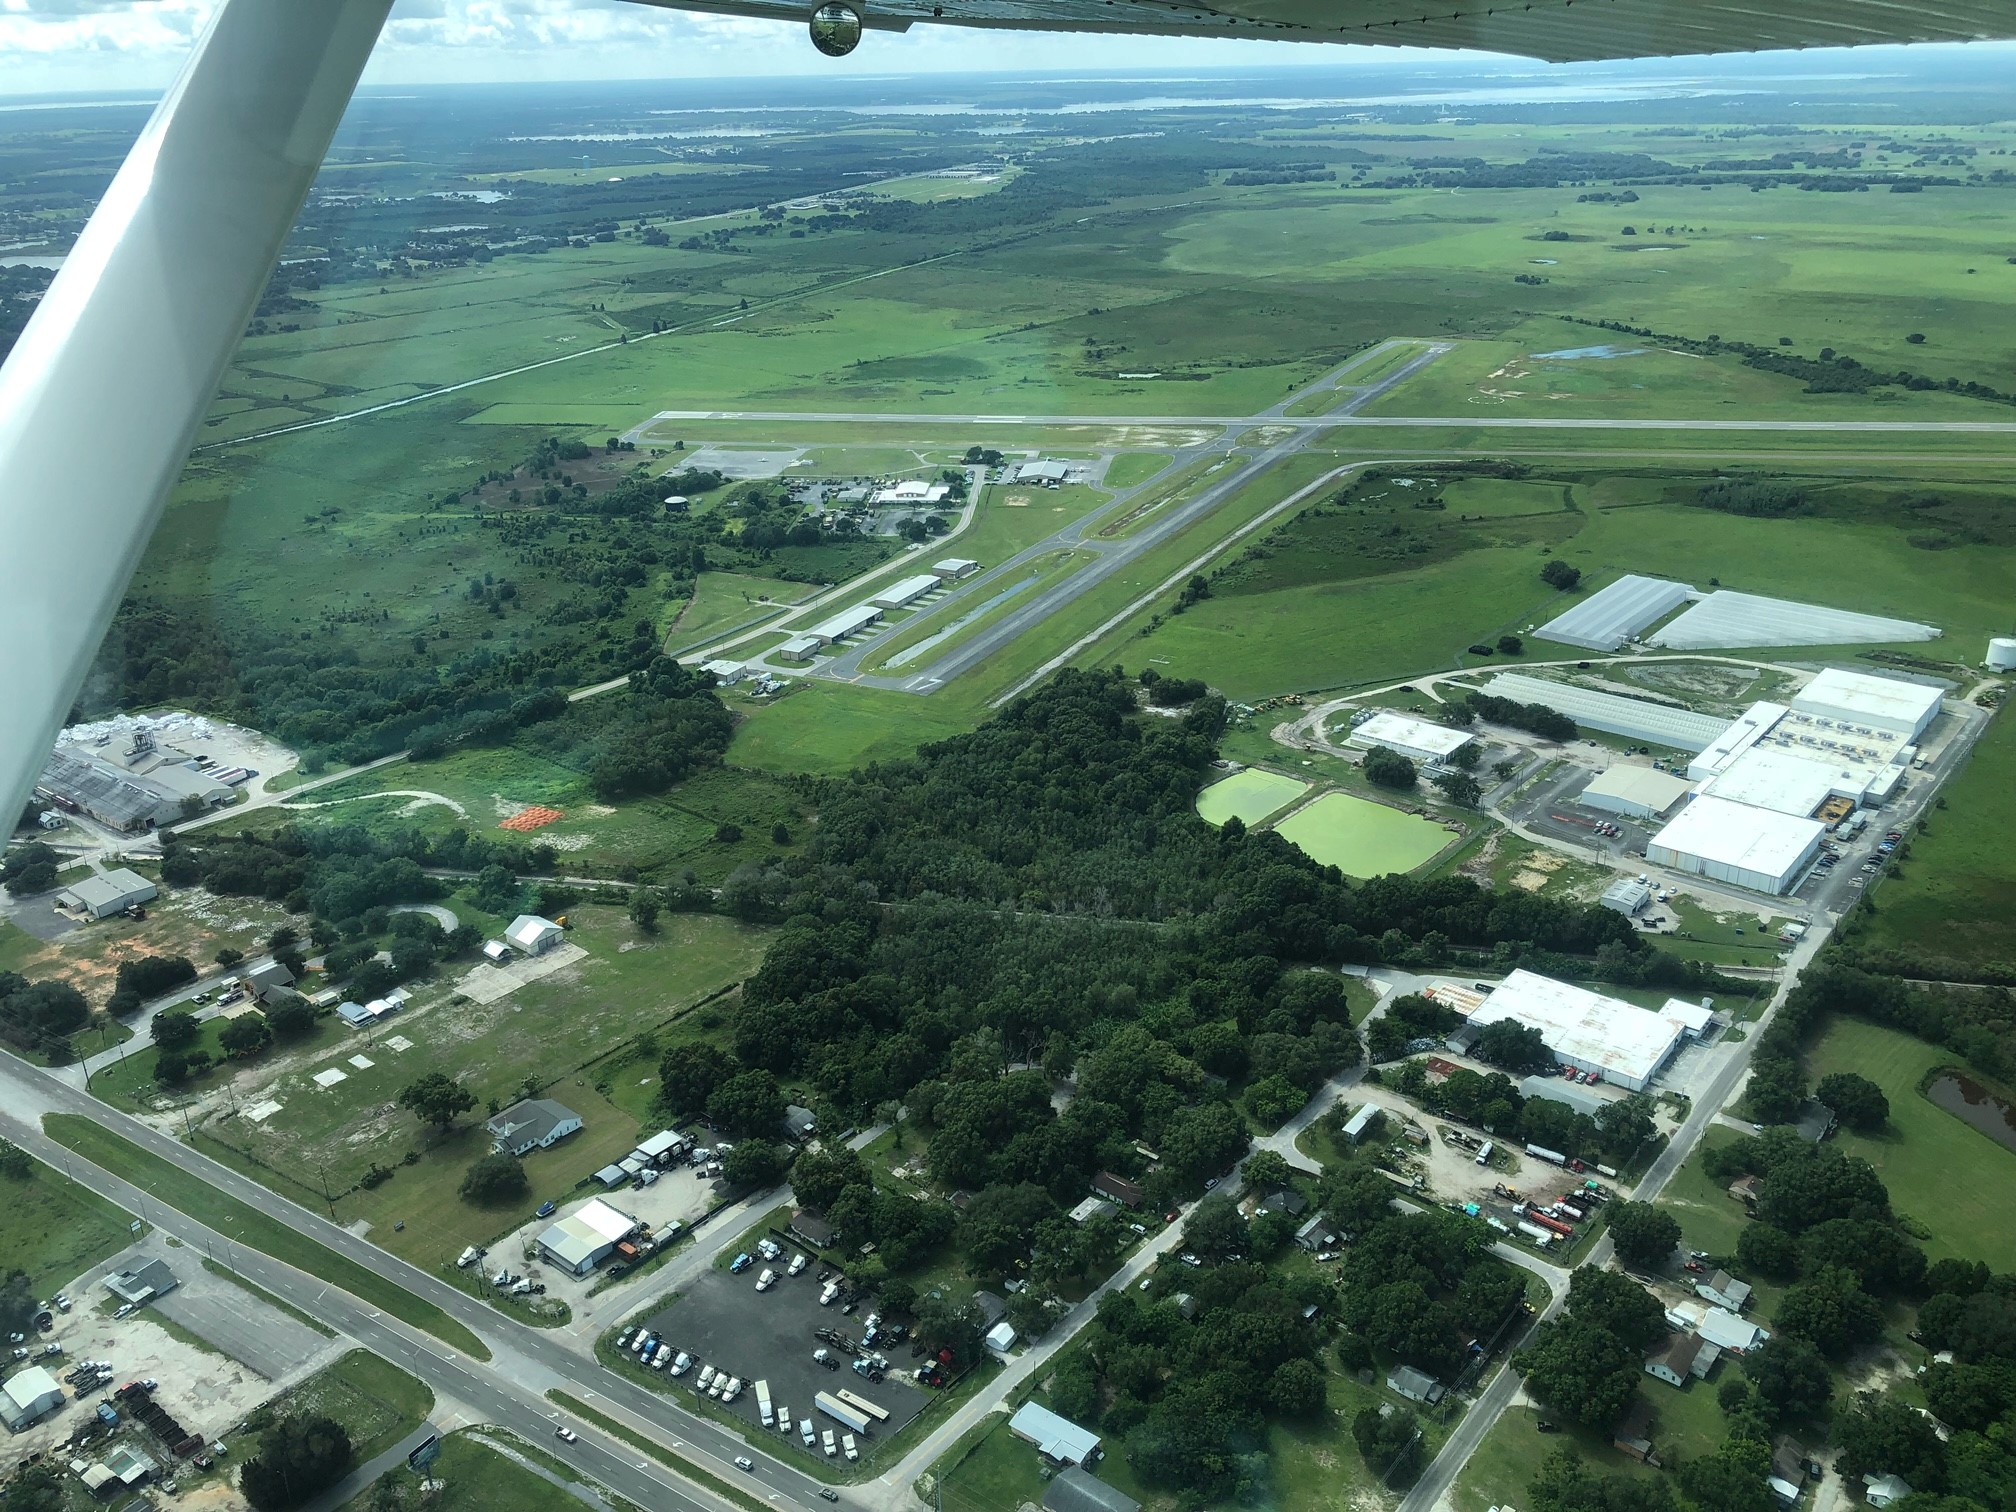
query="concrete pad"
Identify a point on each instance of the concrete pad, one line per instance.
(489, 984)
(362, 1062)
(399, 1042)
(329, 1078)
(737, 462)
(263, 1339)
(260, 1112)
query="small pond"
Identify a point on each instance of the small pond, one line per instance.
(1967, 1100)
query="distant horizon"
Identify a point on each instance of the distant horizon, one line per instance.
(1200, 59)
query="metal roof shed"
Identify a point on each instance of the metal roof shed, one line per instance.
(1055, 1437)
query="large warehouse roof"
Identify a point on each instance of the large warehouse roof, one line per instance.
(1626, 1043)
(1605, 620)
(1403, 734)
(1782, 781)
(1744, 619)
(1887, 700)
(1749, 727)
(1640, 788)
(1739, 837)
(1637, 718)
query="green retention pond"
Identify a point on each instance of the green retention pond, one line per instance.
(1361, 838)
(1248, 796)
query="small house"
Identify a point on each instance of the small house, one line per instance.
(799, 1123)
(1286, 1200)
(1724, 1290)
(1092, 1207)
(496, 952)
(811, 1228)
(1128, 1194)
(1728, 1332)
(262, 978)
(1745, 1189)
(1816, 1121)
(992, 1308)
(1317, 1236)
(538, 1123)
(1056, 1438)
(1001, 1337)
(1633, 1436)
(1415, 1385)
(1682, 1358)
(1881, 1490)
(142, 1283)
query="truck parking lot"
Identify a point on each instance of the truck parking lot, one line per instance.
(723, 1321)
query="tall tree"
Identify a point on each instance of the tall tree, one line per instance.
(436, 1098)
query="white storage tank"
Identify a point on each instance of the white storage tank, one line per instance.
(2002, 654)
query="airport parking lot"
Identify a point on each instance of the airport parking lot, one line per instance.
(723, 1321)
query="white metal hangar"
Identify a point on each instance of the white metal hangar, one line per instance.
(1633, 718)
(1636, 791)
(1857, 700)
(1606, 619)
(1730, 842)
(1621, 1042)
(1415, 738)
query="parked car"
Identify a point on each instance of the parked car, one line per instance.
(547, 1210)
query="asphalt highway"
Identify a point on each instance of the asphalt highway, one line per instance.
(509, 1390)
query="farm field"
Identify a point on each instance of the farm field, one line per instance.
(1248, 796)
(1362, 838)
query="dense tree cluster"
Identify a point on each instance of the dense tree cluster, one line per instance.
(299, 1455)
(29, 869)
(1548, 724)
(1585, 1365)
(1189, 1400)
(40, 1016)
(1492, 1102)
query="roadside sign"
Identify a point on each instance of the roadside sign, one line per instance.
(425, 1452)
(135, 1225)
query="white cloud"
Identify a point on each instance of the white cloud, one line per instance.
(64, 45)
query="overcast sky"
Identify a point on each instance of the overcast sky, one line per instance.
(50, 46)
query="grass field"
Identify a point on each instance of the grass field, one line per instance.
(1952, 1179)
(248, 1225)
(479, 787)
(1249, 796)
(56, 1229)
(477, 1477)
(723, 602)
(377, 1403)
(1958, 890)
(555, 1030)
(1362, 838)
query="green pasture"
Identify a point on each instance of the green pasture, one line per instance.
(1248, 796)
(551, 1030)
(1130, 468)
(478, 787)
(1953, 1180)
(1958, 888)
(1362, 838)
(56, 1229)
(248, 1225)
(724, 602)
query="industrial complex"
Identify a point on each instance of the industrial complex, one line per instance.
(1619, 1042)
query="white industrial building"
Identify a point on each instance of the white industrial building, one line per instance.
(914, 492)
(1755, 848)
(801, 648)
(1626, 896)
(1784, 781)
(1633, 718)
(1621, 1042)
(1414, 738)
(844, 624)
(1863, 702)
(27, 1397)
(955, 567)
(585, 1237)
(1742, 732)
(533, 935)
(908, 591)
(102, 896)
(1634, 791)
